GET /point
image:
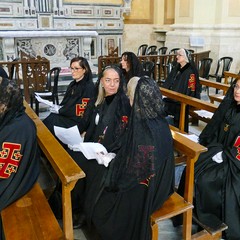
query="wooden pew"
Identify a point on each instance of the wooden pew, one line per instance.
(160, 61)
(68, 172)
(228, 78)
(216, 85)
(177, 204)
(31, 217)
(186, 100)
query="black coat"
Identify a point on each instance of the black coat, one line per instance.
(183, 80)
(73, 105)
(217, 185)
(19, 170)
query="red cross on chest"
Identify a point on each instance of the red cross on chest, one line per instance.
(10, 158)
(237, 145)
(80, 108)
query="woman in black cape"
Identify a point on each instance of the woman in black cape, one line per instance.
(19, 155)
(184, 79)
(217, 171)
(70, 111)
(140, 178)
(104, 121)
(131, 66)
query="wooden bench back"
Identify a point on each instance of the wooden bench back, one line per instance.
(186, 100)
(63, 164)
(159, 60)
(229, 77)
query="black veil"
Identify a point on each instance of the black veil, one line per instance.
(211, 128)
(144, 148)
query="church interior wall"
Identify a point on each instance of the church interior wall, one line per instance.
(197, 24)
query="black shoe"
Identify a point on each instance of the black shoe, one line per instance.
(79, 220)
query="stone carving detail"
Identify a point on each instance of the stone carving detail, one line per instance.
(25, 46)
(72, 48)
(50, 50)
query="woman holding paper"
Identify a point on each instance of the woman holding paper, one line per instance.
(217, 181)
(217, 171)
(105, 120)
(106, 116)
(70, 112)
(120, 201)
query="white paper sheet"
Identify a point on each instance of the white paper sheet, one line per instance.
(204, 113)
(41, 100)
(69, 136)
(192, 137)
(89, 149)
(95, 151)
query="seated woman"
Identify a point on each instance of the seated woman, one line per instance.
(131, 66)
(79, 92)
(217, 171)
(19, 155)
(183, 79)
(120, 200)
(105, 120)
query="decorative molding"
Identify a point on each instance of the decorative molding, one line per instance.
(140, 18)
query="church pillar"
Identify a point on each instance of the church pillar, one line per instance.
(207, 25)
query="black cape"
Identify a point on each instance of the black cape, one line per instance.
(121, 198)
(73, 105)
(25, 168)
(113, 117)
(183, 80)
(217, 185)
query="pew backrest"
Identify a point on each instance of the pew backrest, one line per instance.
(63, 164)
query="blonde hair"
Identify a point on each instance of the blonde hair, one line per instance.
(101, 94)
(131, 86)
(101, 90)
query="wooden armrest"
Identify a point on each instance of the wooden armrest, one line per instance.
(173, 206)
(210, 230)
(63, 164)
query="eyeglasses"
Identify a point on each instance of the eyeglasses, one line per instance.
(75, 69)
(236, 87)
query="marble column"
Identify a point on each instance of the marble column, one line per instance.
(8, 49)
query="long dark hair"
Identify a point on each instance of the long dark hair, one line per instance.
(83, 63)
(136, 69)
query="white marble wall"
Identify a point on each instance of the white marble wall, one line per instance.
(62, 31)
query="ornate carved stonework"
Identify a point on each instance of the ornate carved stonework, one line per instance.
(59, 31)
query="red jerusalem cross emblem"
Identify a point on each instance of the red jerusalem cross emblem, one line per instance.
(10, 158)
(80, 108)
(237, 145)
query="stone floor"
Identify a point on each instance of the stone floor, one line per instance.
(166, 229)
